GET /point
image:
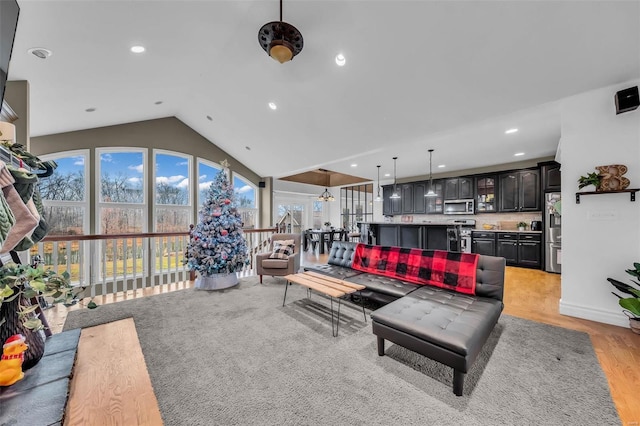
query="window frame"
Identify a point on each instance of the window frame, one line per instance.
(176, 207)
(256, 208)
(213, 164)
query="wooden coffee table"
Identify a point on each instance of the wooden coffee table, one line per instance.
(329, 286)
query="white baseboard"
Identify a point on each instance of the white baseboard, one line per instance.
(594, 314)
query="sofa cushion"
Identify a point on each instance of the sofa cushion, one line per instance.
(458, 322)
(490, 276)
(341, 253)
(336, 271)
(282, 249)
(385, 285)
(275, 263)
(451, 270)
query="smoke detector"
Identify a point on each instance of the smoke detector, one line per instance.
(40, 52)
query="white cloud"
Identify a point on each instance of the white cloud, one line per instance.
(183, 184)
(134, 180)
(202, 177)
(170, 180)
(107, 158)
(203, 186)
(139, 168)
(182, 163)
(78, 161)
(244, 189)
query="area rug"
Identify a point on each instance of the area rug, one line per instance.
(238, 357)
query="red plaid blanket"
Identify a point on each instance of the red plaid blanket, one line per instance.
(445, 269)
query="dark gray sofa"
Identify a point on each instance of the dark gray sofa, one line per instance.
(443, 325)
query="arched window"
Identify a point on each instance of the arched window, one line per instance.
(207, 172)
(247, 199)
(172, 191)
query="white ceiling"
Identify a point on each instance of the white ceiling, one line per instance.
(447, 75)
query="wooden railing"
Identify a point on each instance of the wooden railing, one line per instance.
(114, 263)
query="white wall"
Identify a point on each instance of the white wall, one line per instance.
(601, 235)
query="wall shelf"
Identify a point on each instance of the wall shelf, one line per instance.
(632, 193)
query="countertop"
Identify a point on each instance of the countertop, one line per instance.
(507, 230)
(437, 223)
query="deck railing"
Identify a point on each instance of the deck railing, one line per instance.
(121, 262)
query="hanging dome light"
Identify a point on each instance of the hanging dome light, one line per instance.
(430, 192)
(395, 195)
(280, 40)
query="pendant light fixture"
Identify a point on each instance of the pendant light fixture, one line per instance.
(396, 194)
(326, 195)
(280, 40)
(378, 198)
(430, 192)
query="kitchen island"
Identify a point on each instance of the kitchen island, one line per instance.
(428, 235)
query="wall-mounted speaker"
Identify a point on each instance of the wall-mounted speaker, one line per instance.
(627, 100)
(262, 184)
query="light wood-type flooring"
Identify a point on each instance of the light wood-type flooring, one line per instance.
(111, 385)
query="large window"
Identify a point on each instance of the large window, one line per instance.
(172, 190)
(247, 199)
(207, 172)
(121, 194)
(356, 204)
(65, 194)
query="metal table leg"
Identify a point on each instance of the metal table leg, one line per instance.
(285, 292)
(335, 333)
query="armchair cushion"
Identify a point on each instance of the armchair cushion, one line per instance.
(282, 249)
(275, 263)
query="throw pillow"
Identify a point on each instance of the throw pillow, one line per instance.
(282, 249)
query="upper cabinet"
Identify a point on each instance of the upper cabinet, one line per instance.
(519, 191)
(419, 200)
(551, 177)
(406, 198)
(486, 193)
(435, 204)
(390, 206)
(460, 188)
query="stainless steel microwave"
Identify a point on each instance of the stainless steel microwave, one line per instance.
(458, 207)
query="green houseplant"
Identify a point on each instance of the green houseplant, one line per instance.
(590, 179)
(630, 305)
(522, 226)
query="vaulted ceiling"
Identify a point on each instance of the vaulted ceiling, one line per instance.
(448, 75)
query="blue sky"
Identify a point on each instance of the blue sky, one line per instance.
(172, 170)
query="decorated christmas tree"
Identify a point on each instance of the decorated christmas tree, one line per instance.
(217, 248)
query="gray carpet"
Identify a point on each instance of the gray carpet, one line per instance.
(237, 357)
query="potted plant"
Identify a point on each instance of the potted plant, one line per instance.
(522, 226)
(630, 305)
(590, 179)
(19, 285)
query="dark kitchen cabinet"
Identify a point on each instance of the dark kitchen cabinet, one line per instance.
(435, 204)
(520, 249)
(460, 188)
(419, 200)
(519, 191)
(483, 243)
(388, 235)
(390, 206)
(486, 193)
(435, 238)
(551, 177)
(406, 198)
(410, 236)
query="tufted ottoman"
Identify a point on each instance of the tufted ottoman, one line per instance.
(443, 325)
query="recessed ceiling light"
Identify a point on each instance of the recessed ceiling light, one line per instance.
(273, 105)
(157, 102)
(340, 59)
(209, 118)
(90, 109)
(40, 52)
(511, 131)
(518, 154)
(440, 166)
(387, 174)
(137, 49)
(354, 165)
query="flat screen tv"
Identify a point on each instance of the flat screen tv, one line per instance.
(9, 11)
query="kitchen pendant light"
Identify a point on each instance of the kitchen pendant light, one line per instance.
(430, 192)
(395, 195)
(378, 198)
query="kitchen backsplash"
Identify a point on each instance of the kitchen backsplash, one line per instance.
(499, 220)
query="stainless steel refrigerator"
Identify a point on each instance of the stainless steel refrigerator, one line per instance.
(553, 232)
